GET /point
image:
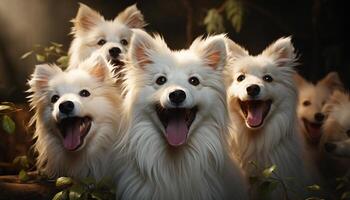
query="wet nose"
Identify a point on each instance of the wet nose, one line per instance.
(330, 147)
(114, 52)
(253, 90)
(319, 117)
(66, 107)
(177, 97)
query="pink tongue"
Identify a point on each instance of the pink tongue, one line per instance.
(72, 139)
(176, 131)
(255, 115)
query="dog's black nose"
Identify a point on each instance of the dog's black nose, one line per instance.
(330, 146)
(114, 52)
(66, 107)
(253, 90)
(319, 117)
(177, 97)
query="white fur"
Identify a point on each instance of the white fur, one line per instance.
(86, 35)
(277, 140)
(91, 159)
(199, 169)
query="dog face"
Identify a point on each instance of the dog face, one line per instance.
(74, 104)
(176, 89)
(92, 32)
(258, 85)
(336, 138)
(312, 98)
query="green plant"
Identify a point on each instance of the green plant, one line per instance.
(52, 53)
(232, 10)
(7, 124)
(85, 189)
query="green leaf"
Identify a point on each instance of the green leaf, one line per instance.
(5, 107)
(340, 186)
(74, 195)
(268, 171)
(63, 195)
(23, 176)
(40, 58)
(64, 182)
(24, 56)
(63, 60)
(22, 162)
(234, 13)
(214, 22)
(314, 187)
(56, 44)
(8, 124)
(345, 195)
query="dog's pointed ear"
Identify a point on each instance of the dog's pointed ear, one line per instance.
(281, 51)
(41, 76)
(234, 50)
(97, 67)
(299, 80)
(336, 99)
(211, 50)
(332, 81)
(141, 45)
(86, 18)
(132, 17)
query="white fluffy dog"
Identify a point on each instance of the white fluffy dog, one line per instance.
(111, 37)
(76, 118)
(262, 100)
(177, 108)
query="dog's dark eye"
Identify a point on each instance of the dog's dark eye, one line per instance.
(267, 78)
(240, 78)
(124, 42)
(194, 81)
(101, 42)
(161, 80)
(54, 98)
(306, 103)
(348, 133)
(84, 93)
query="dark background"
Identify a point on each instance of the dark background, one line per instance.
(317, 28)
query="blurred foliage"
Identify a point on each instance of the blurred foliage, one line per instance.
(343, 187)
(7, 124)
(267, 181)
(24, 164)
(232, 10)
(85, 189)
(53, 53)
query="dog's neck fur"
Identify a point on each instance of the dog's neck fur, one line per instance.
(55, 161)
(192, 171)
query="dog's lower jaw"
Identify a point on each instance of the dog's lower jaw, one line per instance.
(255, 112)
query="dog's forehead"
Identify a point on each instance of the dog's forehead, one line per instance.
(255, 65)
(71, 81)
(112, 30)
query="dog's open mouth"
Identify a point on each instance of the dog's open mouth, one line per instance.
(313, 131)
(255, 111)
(73, 131)
(176, 122)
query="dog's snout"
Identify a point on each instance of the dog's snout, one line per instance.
(253, 90)
(114, 52)
(66, 107)
(177, 97)
(330, 147)
(319, 117)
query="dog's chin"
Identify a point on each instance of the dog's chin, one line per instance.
(176, 122)
(255, 112)
(73, 131)
(313, 131)
(116, 64)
